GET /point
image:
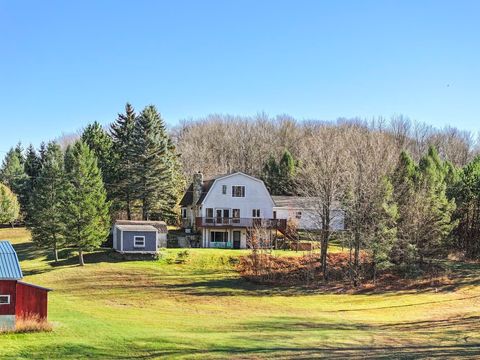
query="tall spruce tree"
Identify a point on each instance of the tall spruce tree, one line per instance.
(385, 232)
(287, 169)
(154, 166)
(432, 186)
(86, 210)
(123, 160)
(46, 222)
(32, 168)
(466, 192)
(100, 143)
(271, 175)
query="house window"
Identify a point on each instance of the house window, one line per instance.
(224, 189)
(238, 191)
(184, 213)
(256, 213)
(209, 215)
(298, 215)
(236, 215)
(139, 241)
(274, 215)
(216, 236)
(4, 299)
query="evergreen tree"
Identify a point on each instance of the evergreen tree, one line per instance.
(85, 206)
(432, 187)
(100, 143)
(46, 222)
(279, 178)
(287, 168)
(123, 160)
(9, 206)
(466, 192)
(425, 212)
(32, 168)
(12, 174)
(154, 166)
(271, 175)
(385, 229)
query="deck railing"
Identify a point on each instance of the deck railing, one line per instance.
(280, 224)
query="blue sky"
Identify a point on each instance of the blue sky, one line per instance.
(64, 64)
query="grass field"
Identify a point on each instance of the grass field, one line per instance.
(202, 309)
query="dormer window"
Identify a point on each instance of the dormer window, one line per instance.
(238, 191)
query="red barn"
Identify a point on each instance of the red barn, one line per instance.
(18, 299)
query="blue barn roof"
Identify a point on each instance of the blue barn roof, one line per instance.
(9, 265)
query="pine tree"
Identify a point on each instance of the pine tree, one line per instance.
(12, 174)
(385, 229)
(287, 169)
(32, 168)
(271, 175)
(279, 178)
(46, 222)
(9, 206)
(425, 212)
(153, 167)
(432, 186)
(85, 204)
(100, 143)
(466, 192)
(123, 161)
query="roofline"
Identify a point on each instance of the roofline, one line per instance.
(236, 173)
(35, 286)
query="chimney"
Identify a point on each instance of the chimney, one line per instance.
(197, 187)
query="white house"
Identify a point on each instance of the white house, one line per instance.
(225, 209)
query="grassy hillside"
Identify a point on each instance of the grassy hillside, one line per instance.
(202, 309)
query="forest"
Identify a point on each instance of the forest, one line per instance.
(410, 192)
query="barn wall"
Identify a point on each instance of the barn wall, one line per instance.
(7, 287)
(31, 301)
(150, 241)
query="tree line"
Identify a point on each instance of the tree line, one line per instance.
(410, 192)
(68, 197)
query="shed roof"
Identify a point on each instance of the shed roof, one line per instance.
(136, 227)
(9, 264)
(161, 226)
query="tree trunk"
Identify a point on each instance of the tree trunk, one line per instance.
(144, 210)
(356, 259)
(80, 257)
(55, 252)
(129, 210)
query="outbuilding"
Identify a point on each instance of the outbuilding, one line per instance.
(139, 237)
(18, 299)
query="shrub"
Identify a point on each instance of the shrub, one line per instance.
(30, 323)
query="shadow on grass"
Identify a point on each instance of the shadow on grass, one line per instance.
(150, 350)
(95, 257)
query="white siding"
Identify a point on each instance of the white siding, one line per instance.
(309, 219)
(256, 197)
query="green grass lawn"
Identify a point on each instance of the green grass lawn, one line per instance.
(202, 309)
